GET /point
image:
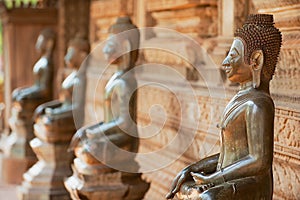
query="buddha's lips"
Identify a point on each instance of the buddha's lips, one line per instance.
(227, 69)
(110, 58)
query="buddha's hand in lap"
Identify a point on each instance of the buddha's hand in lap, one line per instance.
(78, 136)
(94, 133)
(20, 97)
(182, 177)
(200, 178)
(17, 94)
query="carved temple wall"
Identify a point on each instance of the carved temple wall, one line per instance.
(211, 24)
(286, 92)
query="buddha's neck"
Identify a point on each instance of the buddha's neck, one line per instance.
(47, 54)
(248, 85)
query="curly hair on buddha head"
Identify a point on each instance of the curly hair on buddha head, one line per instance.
(130, 31)
(81, 41)
(259, 33)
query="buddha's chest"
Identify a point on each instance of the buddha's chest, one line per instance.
(68, 86)
(112, 100)
(234, 133)
(40, 68)
(233, 128)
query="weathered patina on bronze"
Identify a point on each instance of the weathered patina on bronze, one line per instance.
(95, 177)
(17, 151)
(243, 168)
(54, 129)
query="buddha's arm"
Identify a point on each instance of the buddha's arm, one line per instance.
(63, 110)
(206, 165)
(31, 92)
(41, 108)
(259, 122)
(105, 128)
(81, 135)
(119, 139)
(19, 92)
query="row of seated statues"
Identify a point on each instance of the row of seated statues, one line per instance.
(78, 163)
(18, 155)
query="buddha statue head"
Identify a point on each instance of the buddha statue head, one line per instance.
(254, 52)
(46, 41)
(122, 45)
(78, 49)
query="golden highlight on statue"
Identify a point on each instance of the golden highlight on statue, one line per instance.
(243, 168)
(94, 175)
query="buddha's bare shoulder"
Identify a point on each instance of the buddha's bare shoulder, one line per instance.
(260, 100)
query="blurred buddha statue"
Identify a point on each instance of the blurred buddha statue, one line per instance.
(62, 109)
(42, 71)
(97, 147)
(25, 100)
(243, 168)
(54, 128)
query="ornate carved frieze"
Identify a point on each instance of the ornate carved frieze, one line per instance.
(155, 5)
(104, 13)
(195, 21)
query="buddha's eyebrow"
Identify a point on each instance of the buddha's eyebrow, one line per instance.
(236, 51)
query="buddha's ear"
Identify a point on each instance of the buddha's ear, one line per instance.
(256, 64)
(83, 55)
(126, 52)
(50, 44)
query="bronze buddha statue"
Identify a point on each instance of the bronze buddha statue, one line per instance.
(17, 151)
(54, 129)
(60, 111)
(118, 128)
(243, 168)
(42, 71)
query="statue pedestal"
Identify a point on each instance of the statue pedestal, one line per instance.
(99, 182)
(44, 180)
(18, 156)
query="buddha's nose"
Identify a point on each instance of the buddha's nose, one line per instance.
(226, 61)
(108, 49)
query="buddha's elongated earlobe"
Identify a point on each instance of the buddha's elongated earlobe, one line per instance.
(50, 44)
(256, 64)
(126, 55)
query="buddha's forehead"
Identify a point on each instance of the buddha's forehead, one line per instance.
(237, 45)
(112, 37)
(75, 47)
(72, 48)
(41, 38)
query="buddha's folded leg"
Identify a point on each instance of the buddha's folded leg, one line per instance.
(253, 188)
(192, 191)
(250, 188)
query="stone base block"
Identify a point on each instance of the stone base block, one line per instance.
(45, 179)
(42, 194)
(108, 186)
